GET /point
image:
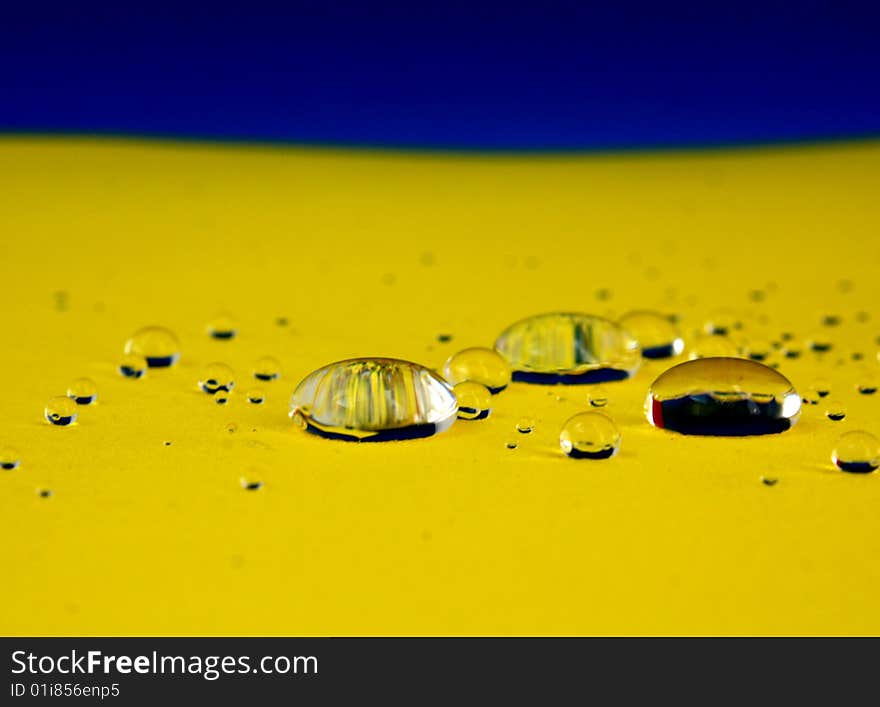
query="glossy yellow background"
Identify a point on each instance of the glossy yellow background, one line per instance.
(376, 254)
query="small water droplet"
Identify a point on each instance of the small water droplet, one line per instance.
(478, 365)
(769, 480)
(9, 458)
(231, 428)
(256, 396)
(810, 397)
(267, 368)
(511, 445)
(167, 443)
(525, 425)
(444, 338)
(133, 366)
(598, 397)
(657, 336)
(856, 452)
(589, 435)
(722, 322)
(44, 493)
(867, 385)
(251, 484)
(835, 411)
(221, 397)
(158, 345)
(822, 386)
(83, 391)
(222, 327)
(61, 411)
(217, 377)
(474, 401)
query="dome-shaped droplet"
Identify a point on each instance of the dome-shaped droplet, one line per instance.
(478, 365)
(722, 396)
(217, 376)
(83, 391)
(267, 368)
(156, 344)
(589, 435)
(61, 411)
(598, 397)
(857, 452)
(525, 425)
(836, 411)
(133, 366)
(373, 399)
(569, 348)
(256, 396)
(9, 458)
(222, 327)
(474, 401)
(658, 337)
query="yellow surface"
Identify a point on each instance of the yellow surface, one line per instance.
(370, 254)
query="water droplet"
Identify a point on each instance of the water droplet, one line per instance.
(791, 350)
(222, 327)
(133, 366)
(857, 452)
(570, 349)
(373, 399)
(835, 411)
(810, 397)
(758, 349)
(712, 346)
(167, 443)
(217, 376)
(256, 396)
(511, 445)
(267, 368)
(61, 411)
(83, 391)
(656, 335)
(867, 385)
(44, 493)
(589, 435)
(281, 321)
(474, 401)
(444, 338)
(598, 397)
(822, 386)
(769, 480)
(525, 425)
(231, 428)
(9, 458)
(819, 342)
(722, 396)
(831, 320)
(221, 396)
(721, 323)
(251, 484)
(479, 365)
(156, 344)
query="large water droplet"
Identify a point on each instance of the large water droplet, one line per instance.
(373, 399)
(657, 336)
(569, 348)
(478, 365)
(722, 396)
(857, 452)
(589, 435)
(156, 344)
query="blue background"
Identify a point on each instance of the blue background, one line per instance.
(453, 75)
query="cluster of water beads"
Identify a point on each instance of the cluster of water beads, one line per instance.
(9, 458)
(857, 452)
(589, 435)
(61, 411)
(222, 327)
(83, 391)
(478, 365)
(474, 400)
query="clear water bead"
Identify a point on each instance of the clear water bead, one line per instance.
(569, 348)
(589, 435)
(836, 411)
(722, 396)
(133, 366)
(525, 425)
(222, 327)
(217, 377)
(159, 347)
(474, 401)
(9, 458)
(267, 368)
(373, 399)
(256, 396)
(857, 452)
(83, 391)
(658, 337)
(478, 365)
(61, 411)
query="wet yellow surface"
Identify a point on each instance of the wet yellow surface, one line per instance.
(371, 254)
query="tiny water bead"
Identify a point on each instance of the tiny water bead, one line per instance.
(267, 368)
(657, 336)
(525, 425)
(819, 342)
(256, 396)
(867, 385)
(810, 397)
(61, 411)
(156, 344)
(373, 400)
(83, 391)
(569, 348)
(722, 397)
(133, 366)
(479, 365)
(835, 411)
(857, 452)
(598, 397)
(221, 396)
(44, 493)
(758, 349)
(722, 322)
(222, 327)
(769, 480)
(589, 435)
(217, 376)
(9, 458)
(511, 445)
(474, 401)
(822, 386)
(251, 484)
